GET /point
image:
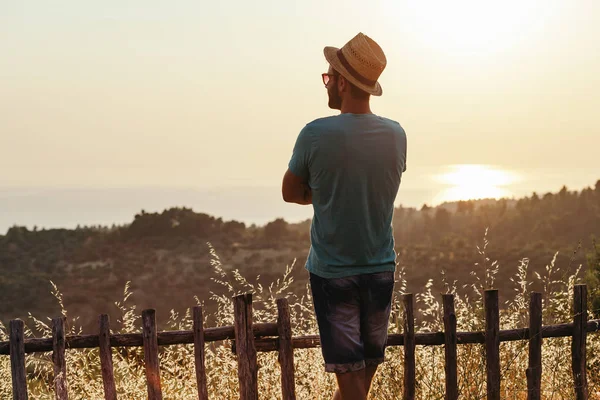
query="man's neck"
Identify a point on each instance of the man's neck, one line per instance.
(356, 107)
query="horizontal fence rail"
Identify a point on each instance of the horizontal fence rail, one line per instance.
(437, 338)
(165, 338)
(249, 338)
(264, 343)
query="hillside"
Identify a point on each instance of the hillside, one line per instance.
(167, 259)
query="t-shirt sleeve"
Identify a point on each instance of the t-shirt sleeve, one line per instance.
(301, 156)
(403, 151)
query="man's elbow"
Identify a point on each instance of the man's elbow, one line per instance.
(287, 197)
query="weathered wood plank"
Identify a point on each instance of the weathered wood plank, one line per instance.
(106, 361)
(245, 350)
(165, 338)
(58, 358)
(409, 348)
(198, 329)
(17, 359)
(450, 349)
(534, 369)
(492, 344)
(578, 344)
(286, 350)
(437, 338)
(270, 329)
(151, 362)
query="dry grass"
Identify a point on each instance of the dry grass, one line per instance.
(177, 368)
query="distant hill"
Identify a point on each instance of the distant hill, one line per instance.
(166, 257)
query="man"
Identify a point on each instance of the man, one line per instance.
(349, 168)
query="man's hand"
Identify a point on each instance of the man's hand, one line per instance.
(295, 190)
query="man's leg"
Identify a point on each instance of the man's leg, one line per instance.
(337, 308)
(369, 375)
(351, 386)
(352, 381)
(377, 292)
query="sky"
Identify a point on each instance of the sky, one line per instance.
(115, 106)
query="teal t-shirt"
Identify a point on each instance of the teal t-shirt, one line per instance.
(353, 164)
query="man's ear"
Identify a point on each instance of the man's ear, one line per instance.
(343, 84)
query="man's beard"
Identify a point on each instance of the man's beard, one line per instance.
(335, 100)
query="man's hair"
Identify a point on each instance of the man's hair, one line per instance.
(357, 93)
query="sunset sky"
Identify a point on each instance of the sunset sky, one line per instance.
(210, 96)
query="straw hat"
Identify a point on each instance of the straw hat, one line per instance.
(361, 61)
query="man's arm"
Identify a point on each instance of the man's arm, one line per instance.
(295, 190)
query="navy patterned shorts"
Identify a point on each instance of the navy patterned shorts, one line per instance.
(353, 316)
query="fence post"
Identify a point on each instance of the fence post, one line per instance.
(409, 347)
(244, 347)
(199, 353)
(578, 345)
(492, 344)
(106, 362)
(150, 342)
(534, 370)
(450, 347)
(58, 358)
(286, 351)
(17, 360)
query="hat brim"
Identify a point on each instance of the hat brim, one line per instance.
(333, 59)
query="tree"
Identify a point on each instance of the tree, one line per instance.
(277, 229)
(17, 234)
(464, 206)
(593, 279)
(234, 229)
(442, 219)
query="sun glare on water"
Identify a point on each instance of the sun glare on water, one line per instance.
(473, 181)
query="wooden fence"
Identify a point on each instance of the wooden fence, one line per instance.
(251, 338)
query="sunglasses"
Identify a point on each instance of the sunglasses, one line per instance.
(327, 77)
